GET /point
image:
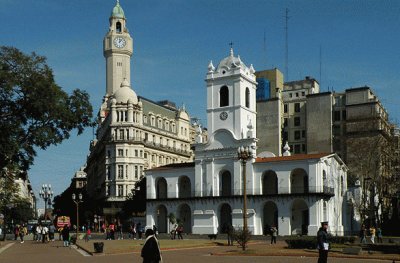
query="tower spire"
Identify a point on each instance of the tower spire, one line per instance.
(231, 51)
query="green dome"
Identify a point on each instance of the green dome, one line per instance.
(117, 11)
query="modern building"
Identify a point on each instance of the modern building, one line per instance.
(353, 124)
(133, 133)
(294, 193)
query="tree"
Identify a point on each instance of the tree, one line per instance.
(136, 201)
(35, 112)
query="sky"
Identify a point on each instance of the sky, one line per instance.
(342, 43)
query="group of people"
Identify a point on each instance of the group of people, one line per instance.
(20, 231)
(176, 230)
(43, 233)
(372, 232)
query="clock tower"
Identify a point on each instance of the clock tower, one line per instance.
(118, 49)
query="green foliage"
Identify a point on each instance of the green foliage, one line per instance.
(242, 236)
(21, 211)
(35, 112)
(136, 201)
(172, 218)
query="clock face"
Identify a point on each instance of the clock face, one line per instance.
(223, 116)
(119, 42)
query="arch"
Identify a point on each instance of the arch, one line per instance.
(184, 187)
(300, 218)
(269, 183)
(118, 27)
(225, 184)
(161, 188)
(185, 217)
(225, 217)
(162, 219)
(224, 96)
(299, 181)
(247, 98)
(270, 216)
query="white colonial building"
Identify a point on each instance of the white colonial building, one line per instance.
(294, 193)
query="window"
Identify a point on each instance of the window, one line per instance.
(297, 148)
(224, 96)
(303, 148)
(108, 171)
(118, 27)
(121, 134)
(336, 115)
(146, 136)
(297, 94)
(303, 134)
(247, 98)
(159, 123)
(344, 115)
(145, 119)
(120, 172)
(120, 190)
(296, 135)
(145, 155)
(141, 153)
(303, 93)
(285, 122)
(136, 171)
(296, 121)
(108, 153)
(285, 136)
(136, 153)
(285, 108)
(153, 121)
(167, 126)
(120, 152)
(126, 171)
(290, 95)
(297, 107)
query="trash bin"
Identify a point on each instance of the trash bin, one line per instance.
(98, 247)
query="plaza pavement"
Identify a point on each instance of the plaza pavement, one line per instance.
(35, 252)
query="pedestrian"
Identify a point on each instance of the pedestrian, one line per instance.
(52, 230)
(16, 232)
(151, 249)
(230, 232)
(323, 243)
(134, 231)
(379, 235)
(274, 233)
(65, 235)
(180, 231)
(88, 234)
(372, 231)
(140, 230)
(45, 231)
(363, 234)
(39, 233)
(22, 232)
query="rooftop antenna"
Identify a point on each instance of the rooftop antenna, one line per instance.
(320, 66)
(286, 44)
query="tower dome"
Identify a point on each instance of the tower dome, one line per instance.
(117, 11)
(125, 94)
(230, 62)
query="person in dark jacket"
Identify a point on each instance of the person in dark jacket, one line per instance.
(65, 235)
(151, 250)
(323, 243)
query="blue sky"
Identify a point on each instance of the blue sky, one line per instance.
(174, 40)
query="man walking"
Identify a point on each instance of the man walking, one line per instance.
(323, 244)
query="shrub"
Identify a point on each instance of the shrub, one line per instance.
(242, 237)
(310, 242)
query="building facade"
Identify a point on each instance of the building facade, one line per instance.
(294, 193)
(133, 133)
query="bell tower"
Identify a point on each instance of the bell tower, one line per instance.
(231, 97)
(117, 49)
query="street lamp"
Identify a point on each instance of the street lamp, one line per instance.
(244, 154)
(46, 193)
(77, 201)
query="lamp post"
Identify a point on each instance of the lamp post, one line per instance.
(244, 154)
(77, 201)
(46, 194)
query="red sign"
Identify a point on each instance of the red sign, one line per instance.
(63, 220)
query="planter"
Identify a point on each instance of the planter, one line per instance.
(98, 247)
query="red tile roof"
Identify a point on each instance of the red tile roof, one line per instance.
(295, 157)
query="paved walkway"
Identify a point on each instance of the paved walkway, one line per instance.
(33, 252)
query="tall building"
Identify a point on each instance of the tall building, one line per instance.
(293, 193)
(353, 123)
(133, 133)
